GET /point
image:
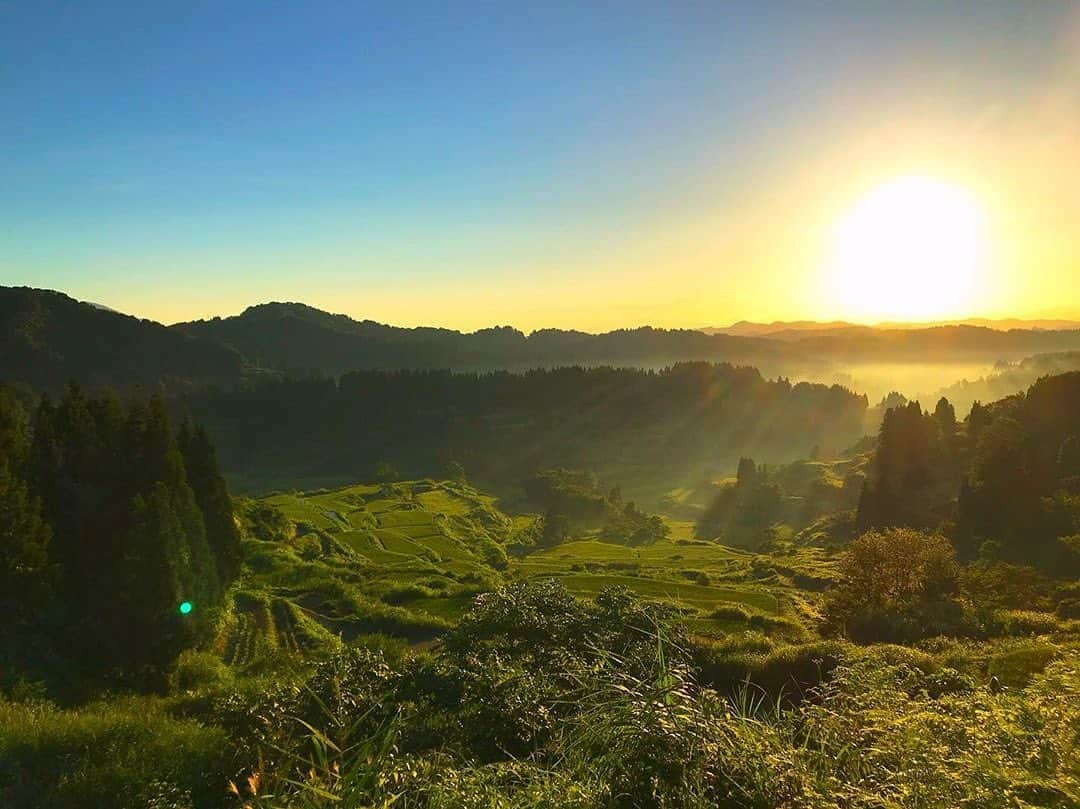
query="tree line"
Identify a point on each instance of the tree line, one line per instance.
(504, 426)
(1003, 485)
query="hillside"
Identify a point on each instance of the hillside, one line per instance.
(421, 642)
(646, 431)
(48, 339)
(407, 560)
(401, 559)
(796, 329)
(293, 336)
(1007, 379)
(297, 337)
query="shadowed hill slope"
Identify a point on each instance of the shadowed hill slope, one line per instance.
(641, 429)
(293, 336)
(48, 338)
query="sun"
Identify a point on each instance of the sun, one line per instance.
(911, 249)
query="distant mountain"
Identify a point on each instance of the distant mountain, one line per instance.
(959, 343)
(48, 339)
(747, 328)
(294, 336)
(1003, 324)
(798, 329)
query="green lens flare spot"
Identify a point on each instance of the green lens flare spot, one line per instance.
(185, 607)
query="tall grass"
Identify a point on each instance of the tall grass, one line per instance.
(123, 753)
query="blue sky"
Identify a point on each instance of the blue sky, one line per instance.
(459, 164)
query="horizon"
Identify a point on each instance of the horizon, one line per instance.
(1004, 323)
(562, 167)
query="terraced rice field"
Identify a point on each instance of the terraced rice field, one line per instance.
(408, 559)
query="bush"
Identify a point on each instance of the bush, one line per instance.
(730, 612)
(1016, 667)
(196, 670)
(1000, 585)
(696, 576)
(898, 585)
(789, 673)
(267, 523)
(1068, 608)
(493, 553)
(404, 593)
(1024, 622)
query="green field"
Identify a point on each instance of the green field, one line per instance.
(407, 559)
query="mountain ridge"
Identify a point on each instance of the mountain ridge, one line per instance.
(48, 337)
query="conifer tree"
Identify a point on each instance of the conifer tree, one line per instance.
(208, 484)
(158, 577)
(945, 416)
(24, 570)
(129, 536)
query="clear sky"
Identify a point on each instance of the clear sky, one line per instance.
(587, 165)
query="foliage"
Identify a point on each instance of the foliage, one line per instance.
(742, 514)
(124, 753)
(1002, 585)
(913, 470)
(633, 526)
(506, 427)
(137, 520)
(898, 585)
(266, 522)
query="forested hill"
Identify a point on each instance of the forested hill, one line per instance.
(296, 337)
(1003, 484)
(644, 430)
(48, 339)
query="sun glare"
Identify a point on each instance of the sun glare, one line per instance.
(911, 249)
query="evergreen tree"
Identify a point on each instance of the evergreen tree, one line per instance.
(747, 472)
(1068, 458)
(129, 534)
(556, 529)
(158, 577)
(212, 496)
(977, 420)
(24, 572)
(945, 416)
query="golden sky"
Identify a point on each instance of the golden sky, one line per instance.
(675, 167)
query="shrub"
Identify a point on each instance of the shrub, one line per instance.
(196, 670)
(1025, 622)
(493, 553)
(730, 612)
(898, 585)
(404, 593)
(267, 523)
(1015, 667)
(696, 576)
(1068, 608)
(1000, 585)
(789, 673)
